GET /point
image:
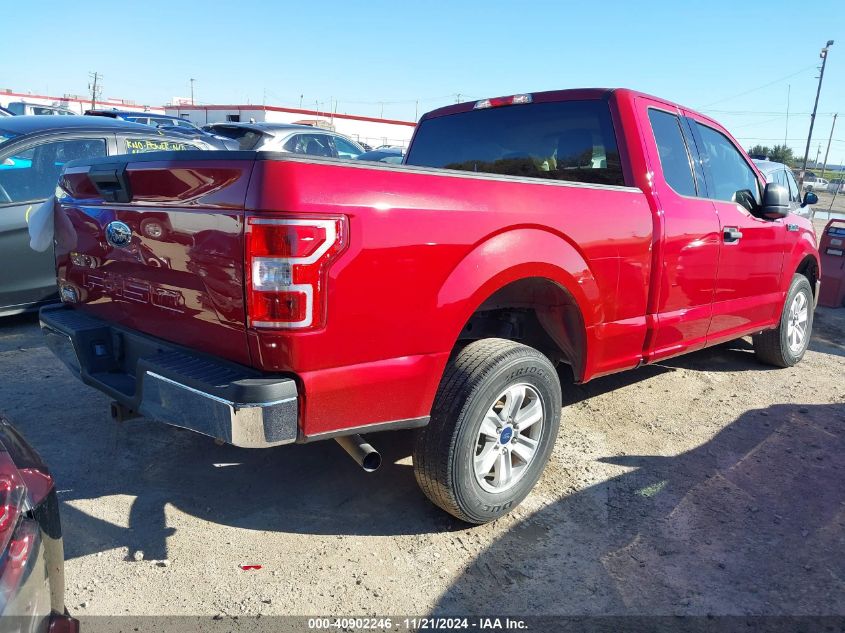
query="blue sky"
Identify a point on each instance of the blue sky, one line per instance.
(732, 59)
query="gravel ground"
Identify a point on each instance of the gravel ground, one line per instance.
(707, 484)
(829, 204)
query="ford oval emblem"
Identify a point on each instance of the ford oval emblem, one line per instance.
(118, 234)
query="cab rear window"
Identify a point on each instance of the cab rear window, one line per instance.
(564, 140)
(142, 145)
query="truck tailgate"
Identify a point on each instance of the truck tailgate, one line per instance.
(157, 245)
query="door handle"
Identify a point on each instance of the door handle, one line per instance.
(732, 234)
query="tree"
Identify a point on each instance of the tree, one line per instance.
(759, 150)
(782, 154)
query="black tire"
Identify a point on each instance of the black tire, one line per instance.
(772, 346)
(445, 450)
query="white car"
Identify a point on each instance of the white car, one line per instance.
(815, 184)
(782, 175)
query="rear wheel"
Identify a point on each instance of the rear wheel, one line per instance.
(786, 344)
(493, 425)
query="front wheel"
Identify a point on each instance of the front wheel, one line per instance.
(493, 425)
(786, 344)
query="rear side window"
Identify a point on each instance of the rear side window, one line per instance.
(731, 178)
(142, 145)
(674, 157)
(563, 140)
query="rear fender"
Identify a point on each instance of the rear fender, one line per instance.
(511, 256)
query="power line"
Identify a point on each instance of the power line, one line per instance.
(771, 83)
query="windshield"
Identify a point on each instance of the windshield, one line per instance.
(563, 140)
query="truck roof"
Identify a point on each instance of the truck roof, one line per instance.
(558, 95)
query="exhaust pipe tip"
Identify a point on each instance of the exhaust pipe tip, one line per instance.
(371, 462)
(360, 450)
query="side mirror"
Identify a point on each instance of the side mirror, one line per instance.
(810, 198)
(775, 201)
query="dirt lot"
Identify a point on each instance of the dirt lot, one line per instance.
(829, 204)
(709, 484)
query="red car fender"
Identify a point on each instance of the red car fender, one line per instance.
(510, 256)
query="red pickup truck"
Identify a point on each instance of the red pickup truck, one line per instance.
(267, 299)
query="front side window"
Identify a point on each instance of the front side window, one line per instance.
(309, 144)
(560, 140)
(345, 149)
(674, 157)
(31, 173)
(731, 178)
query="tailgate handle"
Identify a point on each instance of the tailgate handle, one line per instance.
(111, 183)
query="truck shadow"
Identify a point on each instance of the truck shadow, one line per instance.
(750, 522)
(306, 489)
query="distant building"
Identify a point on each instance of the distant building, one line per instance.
(77, 103)
(371, 130)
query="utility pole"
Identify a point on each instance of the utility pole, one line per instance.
(786, 131)
(830, 138)
(300, 101)
(458, 98)
(192, 90)
(95, 88)
(381, 114)
(823, 55)
(816, 162)
(416, 109)
(832, 200)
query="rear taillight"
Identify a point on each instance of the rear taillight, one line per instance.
(12, 493)
(287, 262)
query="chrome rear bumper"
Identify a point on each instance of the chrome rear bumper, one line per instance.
(180, 387)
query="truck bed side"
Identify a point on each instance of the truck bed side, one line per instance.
(427, 247)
